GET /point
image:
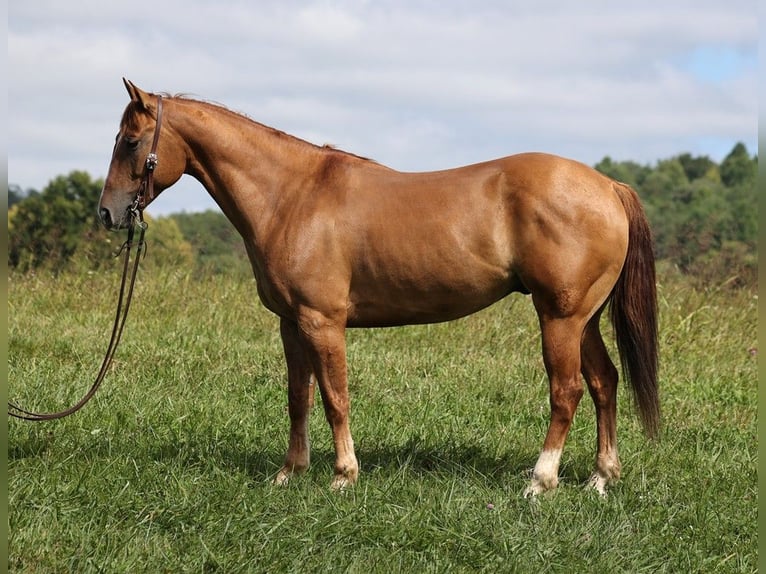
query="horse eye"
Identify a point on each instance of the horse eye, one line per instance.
(132, 144)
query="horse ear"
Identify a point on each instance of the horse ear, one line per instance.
(136, 94)
(131, 89)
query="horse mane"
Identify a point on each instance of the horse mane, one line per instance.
(129, 119)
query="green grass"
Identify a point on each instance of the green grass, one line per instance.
(168, 469)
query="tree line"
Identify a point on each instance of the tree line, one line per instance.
(703, 216)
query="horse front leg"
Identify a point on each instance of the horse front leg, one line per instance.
(326, 344)
(300, 394)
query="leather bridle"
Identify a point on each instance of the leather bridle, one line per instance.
(147, 182)
(123, 302)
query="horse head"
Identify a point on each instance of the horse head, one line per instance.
(140, 136)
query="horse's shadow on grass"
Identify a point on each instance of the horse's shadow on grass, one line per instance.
(459, 459)
(34, 445)
(202, 450)
(414, 457)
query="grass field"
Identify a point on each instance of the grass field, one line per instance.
(168, 469)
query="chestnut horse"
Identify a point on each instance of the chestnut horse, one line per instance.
(338, 241)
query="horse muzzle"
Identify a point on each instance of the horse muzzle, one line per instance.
(112, 223)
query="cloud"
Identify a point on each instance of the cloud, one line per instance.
(417, 84)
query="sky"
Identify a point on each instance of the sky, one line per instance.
(414, 84)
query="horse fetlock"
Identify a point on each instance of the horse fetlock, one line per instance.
(545, 475)
(609, 468)
(607, 472)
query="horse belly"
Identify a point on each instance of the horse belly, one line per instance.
(423, 297)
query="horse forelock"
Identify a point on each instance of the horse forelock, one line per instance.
(130, 116)
(133, 111)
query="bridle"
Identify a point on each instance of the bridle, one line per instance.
(147, 182)
(123, 302)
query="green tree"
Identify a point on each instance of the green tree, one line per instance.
(667, 182)
(217, 244)
(15, 195)
(59, 227)
(628, 172)
(738, 168)
(49, 227)
(697, 167)
(703, 215)
(166, 245)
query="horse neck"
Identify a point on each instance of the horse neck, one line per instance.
(246, 167)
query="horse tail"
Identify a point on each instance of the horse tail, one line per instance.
(633, 313)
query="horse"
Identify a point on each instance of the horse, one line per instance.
(338, 241)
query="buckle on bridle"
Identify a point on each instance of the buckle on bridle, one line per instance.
(151, 161)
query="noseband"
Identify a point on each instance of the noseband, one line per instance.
(123, 303)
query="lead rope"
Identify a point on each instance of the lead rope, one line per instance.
(123, 305)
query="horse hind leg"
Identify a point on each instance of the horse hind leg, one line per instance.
(601, 377)
(561, 353)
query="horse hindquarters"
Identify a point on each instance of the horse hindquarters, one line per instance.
(571, 345)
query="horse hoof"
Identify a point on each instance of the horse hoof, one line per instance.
(533, 490)
(598, 483)
(539, 486)
(341, 482)
(282, 478)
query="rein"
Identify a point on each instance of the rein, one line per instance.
(129, 273)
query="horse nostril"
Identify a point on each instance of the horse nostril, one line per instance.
(106, 218)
